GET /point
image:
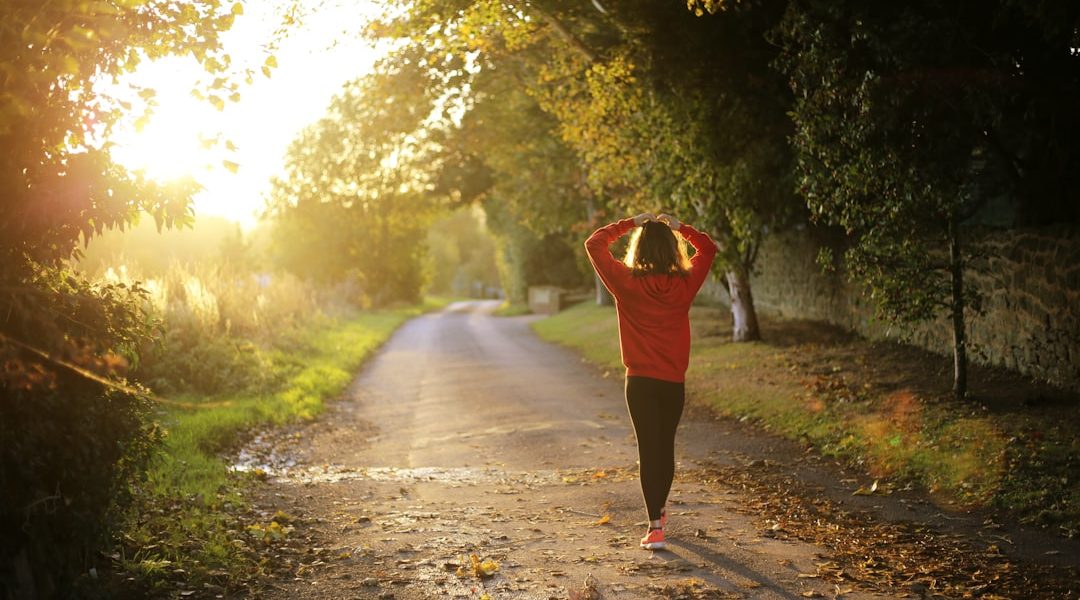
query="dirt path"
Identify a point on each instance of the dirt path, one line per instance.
(468, 435)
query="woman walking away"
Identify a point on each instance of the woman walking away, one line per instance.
(653, 288)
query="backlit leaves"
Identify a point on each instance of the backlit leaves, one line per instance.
(358, 186)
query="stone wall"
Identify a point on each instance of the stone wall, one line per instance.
(1029, 280)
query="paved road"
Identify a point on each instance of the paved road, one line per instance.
(468, 435)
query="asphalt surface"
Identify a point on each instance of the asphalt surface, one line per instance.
(467, 435)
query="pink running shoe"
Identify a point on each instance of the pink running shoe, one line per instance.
(654, 540)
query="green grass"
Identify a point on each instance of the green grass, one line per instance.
(590, 329)
(822, 393)
(189, 518)
(506, 309)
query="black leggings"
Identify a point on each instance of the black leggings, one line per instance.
(655, 409)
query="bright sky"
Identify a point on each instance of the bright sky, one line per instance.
(314, 61)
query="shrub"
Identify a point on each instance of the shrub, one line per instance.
(67, 456)
(70, 437)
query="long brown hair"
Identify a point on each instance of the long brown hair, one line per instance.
(655, 249)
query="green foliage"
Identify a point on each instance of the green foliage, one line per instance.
(58, 181)
(69, 444)
(533, 175)
(62, 336)
(356, 197)
(214, 322)
(534, 190)
(575, 112)
(885, 153)
(68, 455)
(905, 129)
(206, 364)
(526, 258)
(461, 252)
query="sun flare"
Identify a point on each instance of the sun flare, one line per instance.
(168, 148)
(234, 151)
(178, 139)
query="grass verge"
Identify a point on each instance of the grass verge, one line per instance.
(507, 309)
(884, 408)
(191, 528)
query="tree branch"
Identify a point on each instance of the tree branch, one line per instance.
(564, 33)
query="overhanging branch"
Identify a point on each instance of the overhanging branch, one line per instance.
(564, 33)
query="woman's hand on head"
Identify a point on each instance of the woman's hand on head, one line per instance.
(670, 221)
(643, 218)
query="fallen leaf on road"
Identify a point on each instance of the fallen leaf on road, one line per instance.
(866, 491)
(588, 590)
(270, 532)
(483, 569)
(282, 517)
(812, 594)
(604, 520)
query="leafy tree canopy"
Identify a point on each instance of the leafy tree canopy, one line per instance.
(911, 117)
(58, 186)
(358, 188)
(660, 109)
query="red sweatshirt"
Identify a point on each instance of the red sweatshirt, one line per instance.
(654, 310)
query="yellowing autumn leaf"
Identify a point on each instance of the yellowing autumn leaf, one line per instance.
(483, 568)
(604, 520)
(866, 491)
(271, 532)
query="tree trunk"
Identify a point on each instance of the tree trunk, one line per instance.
(744, 317)
(956, 265)
(603, 297)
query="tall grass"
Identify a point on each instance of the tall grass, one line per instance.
(220, 325)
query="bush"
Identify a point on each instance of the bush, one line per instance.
(67, 455)
(70, 438)
(75, 441)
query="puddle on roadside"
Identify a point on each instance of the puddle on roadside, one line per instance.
(289, 471)
(437, 580)
(262, 454)
(273, 456)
